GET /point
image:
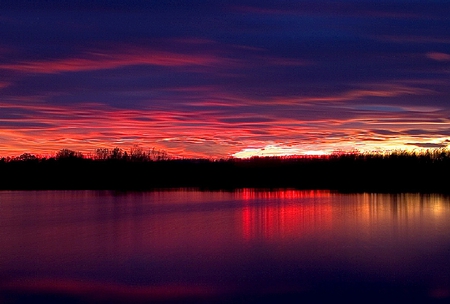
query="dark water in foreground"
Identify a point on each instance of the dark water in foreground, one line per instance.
(245, 246)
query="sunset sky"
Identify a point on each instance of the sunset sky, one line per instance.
(220, 78)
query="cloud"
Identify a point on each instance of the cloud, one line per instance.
(101, 60)
(289, 62)
(414, 39)
(438, 56)
(204, 133)
(428, 145)
(210, 121)
(385, 132)
(367, 90)
(224, 77)
(356, 9)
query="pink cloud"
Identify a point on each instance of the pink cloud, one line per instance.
(438, 56)
(99, 60)
(210, 127)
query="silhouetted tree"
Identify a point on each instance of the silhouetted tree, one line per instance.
(116, 153)
(370, 172)
(27, 157)
(137, 153)
(68, 154)
(157, 155)
(102, 153)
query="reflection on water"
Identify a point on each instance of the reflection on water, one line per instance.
(282, 216)
(60, 246)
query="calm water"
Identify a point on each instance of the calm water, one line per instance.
(244, 246)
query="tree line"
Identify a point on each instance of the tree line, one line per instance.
(136, 153)
(139, 169)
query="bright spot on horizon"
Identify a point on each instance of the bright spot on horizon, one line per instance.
(273, 150)
(277, 150)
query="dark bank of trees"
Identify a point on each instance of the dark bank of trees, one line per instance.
(145, 170)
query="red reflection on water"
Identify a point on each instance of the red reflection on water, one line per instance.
(250, 194)
(246, 223)
(285, 213)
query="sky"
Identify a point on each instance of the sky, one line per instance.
(219, 78)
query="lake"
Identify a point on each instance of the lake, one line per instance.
(247, 246)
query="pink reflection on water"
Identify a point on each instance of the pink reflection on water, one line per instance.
(155, 245)
(106, 292)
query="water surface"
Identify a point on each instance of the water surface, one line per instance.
(243, 246)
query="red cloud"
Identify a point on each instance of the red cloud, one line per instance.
(218, 124)
(111, 60)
